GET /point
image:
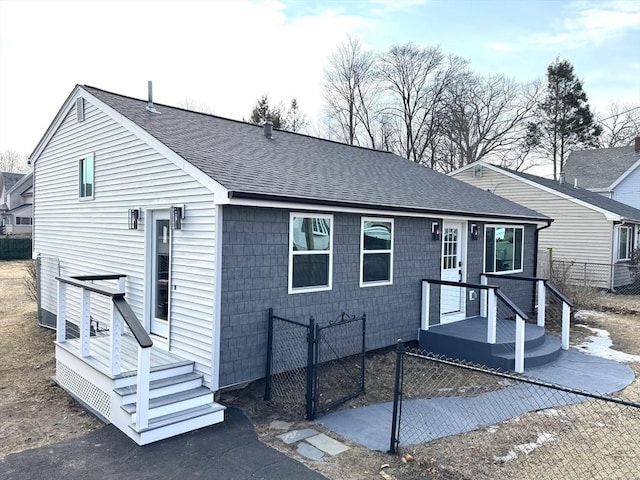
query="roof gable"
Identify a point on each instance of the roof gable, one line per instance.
(241, 159)
(600, 168)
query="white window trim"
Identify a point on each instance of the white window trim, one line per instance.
(484, 253)
(629, 242)
(322, 288)
(93, 176)
(362, 253)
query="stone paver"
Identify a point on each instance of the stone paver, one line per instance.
(297, 435)
(310, 452)
(327, 444)
(280, 425)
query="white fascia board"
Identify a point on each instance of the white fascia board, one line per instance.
(20, 183)
(625, 175)
(613, 217)
(373, 211)
(220, 193)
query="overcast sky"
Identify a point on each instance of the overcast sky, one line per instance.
(225, 54)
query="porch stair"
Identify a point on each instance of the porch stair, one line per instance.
(467, 340)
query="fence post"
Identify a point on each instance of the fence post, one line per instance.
(397, 398)
(311, 375)
(267, 377)
(364, 348)
(542, 302)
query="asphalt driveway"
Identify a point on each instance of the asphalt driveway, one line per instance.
(230, 451)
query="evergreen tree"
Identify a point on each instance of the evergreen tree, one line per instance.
(296, 119)
(565, 120)
(263, 112)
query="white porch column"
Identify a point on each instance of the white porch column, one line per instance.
(142, 395)
(426, 297)
(520, 329)
(115, 340)
(122, 284)
(61, 320)
(85, 322)
(542, 302)
(483, 296)
(492, 312)
(566, 316)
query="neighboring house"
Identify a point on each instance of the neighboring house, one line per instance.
(587, 227)
(16, 203)
(213, 221)
(613, 172)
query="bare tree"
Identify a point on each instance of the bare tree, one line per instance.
(296, 119)
(194, 105)
(620, 124)
(414, 78)
(486, 118)
(349, 92)
(12, 161)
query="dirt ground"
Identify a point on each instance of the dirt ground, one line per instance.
(35, 412)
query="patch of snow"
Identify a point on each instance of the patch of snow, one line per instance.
(550, 412)
(584, 314)
(492, 429)
(525, 448)
(600, 344)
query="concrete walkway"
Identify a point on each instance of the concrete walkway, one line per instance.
(371, 426)
(229, 450)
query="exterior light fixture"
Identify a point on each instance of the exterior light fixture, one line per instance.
(473, 230)
(435, 231)
(134, 217)
(177, 215)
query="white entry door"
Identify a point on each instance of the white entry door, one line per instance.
(160, 248)
(452, 306)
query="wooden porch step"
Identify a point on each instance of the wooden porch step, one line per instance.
(162, 387)
(167, 404)
(181, 422)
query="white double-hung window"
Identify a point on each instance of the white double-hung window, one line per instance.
(625, 243)
(310, 252)
(376, 251)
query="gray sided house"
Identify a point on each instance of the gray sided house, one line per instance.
(612, 172)
(588, 228)
(182, 229)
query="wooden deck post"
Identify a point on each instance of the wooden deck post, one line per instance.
(483, 296)
(492, 312)
(566, 317)
(520, 328)
(142, 394)
(426, 297)
(115, 340)
(61, 320)
(542, 302)
(85, 322)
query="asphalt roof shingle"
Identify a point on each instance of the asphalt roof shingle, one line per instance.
(599, 168)
(239, 157)
(9, 179)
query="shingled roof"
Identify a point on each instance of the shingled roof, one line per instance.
(291, 166)
(9, 179)
(599, 168)
(597, 200)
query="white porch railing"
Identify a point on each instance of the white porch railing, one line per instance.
(120, 313)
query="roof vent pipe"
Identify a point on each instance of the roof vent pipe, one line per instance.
(561, 178)
(636, 146)
(150, 106)
(575, 182)
(268, 129)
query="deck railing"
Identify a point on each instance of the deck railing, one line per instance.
(120, 313)
(542, 286)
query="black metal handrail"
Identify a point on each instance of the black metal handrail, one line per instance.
(80, 282)
(514, 277)
(512, 306)
(460, 284)
(89, 278)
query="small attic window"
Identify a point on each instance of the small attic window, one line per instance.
(477, 171)
(80, 109)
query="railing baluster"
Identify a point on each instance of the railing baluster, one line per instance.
(492, 322)
(142, 394)
(115, 339)
(520, 329)
(85, 323)
(566, 316)
(426, 301)
(61, 320)
(542, 302)
(483, 296)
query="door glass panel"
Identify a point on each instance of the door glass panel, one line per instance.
(449, 256)
(162, 269)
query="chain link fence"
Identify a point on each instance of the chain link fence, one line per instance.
(582, 279)
(480, 423)
(312, 369)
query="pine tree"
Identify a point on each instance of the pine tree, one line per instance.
(565, 120)
(263, 112)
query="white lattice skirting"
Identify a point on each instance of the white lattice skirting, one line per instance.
(83, 389)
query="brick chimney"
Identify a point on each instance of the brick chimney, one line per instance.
(636, 147)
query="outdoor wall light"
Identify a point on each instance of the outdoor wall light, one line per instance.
(177, 215)
(435, 231)
(134, 216)
(473, 230)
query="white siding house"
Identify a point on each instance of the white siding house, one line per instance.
(586, 225)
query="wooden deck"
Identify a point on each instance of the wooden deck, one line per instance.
(99, 355)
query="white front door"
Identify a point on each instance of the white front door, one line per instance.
(160, 249)
(452, 305)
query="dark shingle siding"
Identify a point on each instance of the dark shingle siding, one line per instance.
(239, 157)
